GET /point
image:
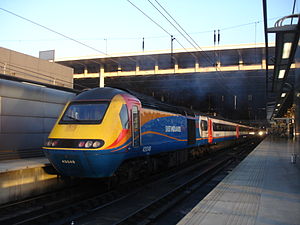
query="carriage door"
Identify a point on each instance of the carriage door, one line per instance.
(203, 127)
(136, 128)
(237, 129)
(191, 131)
(210, 131)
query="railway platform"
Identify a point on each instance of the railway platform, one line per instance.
(21, 164)
(264, 189)
(22, 178)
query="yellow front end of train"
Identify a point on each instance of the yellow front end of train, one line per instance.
(85, 135)
(89, 120)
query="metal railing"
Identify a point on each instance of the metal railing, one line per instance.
(283, 21)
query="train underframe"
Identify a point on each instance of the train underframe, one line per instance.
(134, 169)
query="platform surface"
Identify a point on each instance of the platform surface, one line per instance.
(19, 164)
(264, 189)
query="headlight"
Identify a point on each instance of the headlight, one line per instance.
(54, 143)
(261, 133)
(97, 144)
(81, 144)
(51, 143)
(74, 143)
(88, 144)
(48, 143)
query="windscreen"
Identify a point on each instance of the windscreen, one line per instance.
(84, 113)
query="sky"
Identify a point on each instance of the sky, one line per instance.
(116, 26)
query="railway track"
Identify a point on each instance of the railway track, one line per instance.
(171, 191)
(136, 202)
(26, 210)
(148, 213)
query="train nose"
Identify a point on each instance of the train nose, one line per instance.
(84, 163)
(69, 164)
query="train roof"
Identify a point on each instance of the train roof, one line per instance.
(152, 103)
(108, 93)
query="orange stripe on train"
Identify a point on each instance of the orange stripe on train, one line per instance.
(157, 133)
(122, 138)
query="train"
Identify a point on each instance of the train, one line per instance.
(105, 132)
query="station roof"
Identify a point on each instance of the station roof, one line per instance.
(206, 56)
(229, 82)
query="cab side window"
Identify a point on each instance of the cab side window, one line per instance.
(136, 126)
(124, 117)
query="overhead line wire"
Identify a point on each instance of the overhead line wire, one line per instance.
(158, 25)
(51, 30)
(174, 21)
(150, 37)
(201, 51)
(173, 26)
(149, 17)
(61, 34)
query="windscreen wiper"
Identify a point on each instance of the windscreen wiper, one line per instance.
(73, 118)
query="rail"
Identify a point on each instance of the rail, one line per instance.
(159, 192)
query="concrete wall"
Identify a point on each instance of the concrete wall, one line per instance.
(27, 115)
(31, 68)
(28, 182)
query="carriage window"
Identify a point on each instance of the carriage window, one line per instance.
(223, 127)
(203, 125)
(124, 117)
(84, 113)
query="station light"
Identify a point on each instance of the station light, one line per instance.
(276, 109)
(283, 95)
(281, 74)
(286, 50)
(278, 105)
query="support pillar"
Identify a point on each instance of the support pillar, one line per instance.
(101, 76)
(241, 62)
(175, 66)
(156, 68)
(263, 64)
(119, 70)
(85, 71)
(196, 66)
(137, 68)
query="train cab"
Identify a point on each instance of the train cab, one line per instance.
(91, 127)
